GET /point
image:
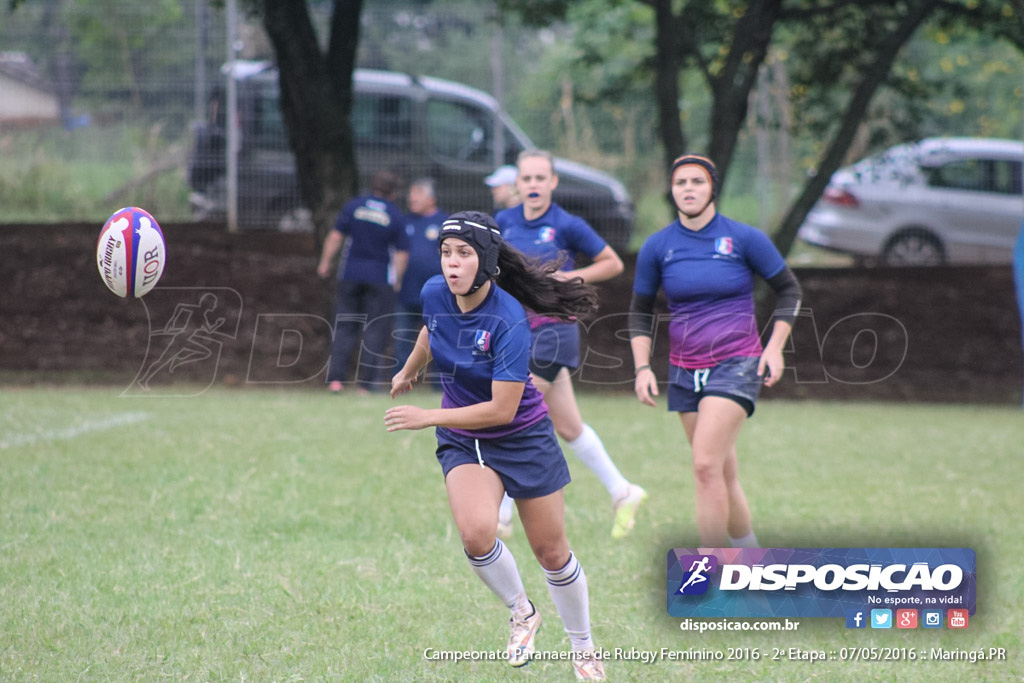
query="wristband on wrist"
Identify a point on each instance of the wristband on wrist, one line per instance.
(641, 369)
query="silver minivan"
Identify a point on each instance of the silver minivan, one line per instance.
(417, 125)
(938, 201)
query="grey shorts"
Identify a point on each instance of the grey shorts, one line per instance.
(734, 378)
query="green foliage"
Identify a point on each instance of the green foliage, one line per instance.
(86, 174)
(949, 79)
(577, 76)
(261, 535)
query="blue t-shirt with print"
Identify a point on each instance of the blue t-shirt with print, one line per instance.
(374, 226)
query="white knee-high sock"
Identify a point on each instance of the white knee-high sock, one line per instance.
(589, 448)
(748, 541)
(505, 510)
(498, 570)
(568, 589)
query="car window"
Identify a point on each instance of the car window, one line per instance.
(963, 174)
(459, 131)
(1006, 177)
(1001, 176)
(382, 120)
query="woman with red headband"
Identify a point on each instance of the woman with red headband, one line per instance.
(493, 430)
(706, 263)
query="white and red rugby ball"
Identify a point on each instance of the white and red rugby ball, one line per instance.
(131, 252)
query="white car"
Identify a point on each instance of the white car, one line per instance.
(937, 201)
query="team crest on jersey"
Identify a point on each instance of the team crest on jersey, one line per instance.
(545, 235)
(723, 245)
(432, 232)
(482, 342)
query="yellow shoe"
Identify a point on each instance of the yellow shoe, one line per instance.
(625, 511)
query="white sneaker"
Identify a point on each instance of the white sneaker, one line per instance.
(625, 511)
(521, 644)
(587, 668)
(504, 531)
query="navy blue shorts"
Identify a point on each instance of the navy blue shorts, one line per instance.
(556, 345)
(530, 462)
(734, 378)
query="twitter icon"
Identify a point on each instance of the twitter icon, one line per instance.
(881, 618)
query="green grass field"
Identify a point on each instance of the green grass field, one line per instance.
(257, 535)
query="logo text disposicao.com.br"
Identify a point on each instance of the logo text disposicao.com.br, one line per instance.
(705, 625)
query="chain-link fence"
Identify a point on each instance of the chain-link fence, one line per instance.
(99, 99)
(110, 102)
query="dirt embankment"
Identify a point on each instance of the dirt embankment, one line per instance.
(935, 334)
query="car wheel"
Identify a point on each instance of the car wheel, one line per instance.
(916, 247)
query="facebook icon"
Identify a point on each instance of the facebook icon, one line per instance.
(855, 618)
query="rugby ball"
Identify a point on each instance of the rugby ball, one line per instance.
(131, 252)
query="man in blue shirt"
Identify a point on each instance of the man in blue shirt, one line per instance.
(422, 227)
(376, 251)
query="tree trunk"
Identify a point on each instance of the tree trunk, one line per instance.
(316, 102)
(731, 88)
(873, 76)
(666, 80)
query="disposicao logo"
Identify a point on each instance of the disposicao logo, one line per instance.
(697, 577)
(818, 582)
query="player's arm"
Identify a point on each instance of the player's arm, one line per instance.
(788, 294)
(418, 359)
(500, 410)
(400, 261)
(641, 332)
(330, 249)
(604, 266)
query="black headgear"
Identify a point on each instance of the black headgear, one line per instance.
(703, 162)
(478, 230)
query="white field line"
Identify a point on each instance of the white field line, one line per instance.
(85, 427)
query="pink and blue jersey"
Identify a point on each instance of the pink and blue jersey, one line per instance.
(470, 350)
(708, 279)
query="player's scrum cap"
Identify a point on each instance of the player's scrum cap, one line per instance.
(503, 175)
(478, 230)
(704, 163)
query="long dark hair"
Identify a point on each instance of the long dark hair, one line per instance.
(533, 283)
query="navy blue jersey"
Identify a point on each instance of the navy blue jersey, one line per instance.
(373, 226)
(424, 255)
(708, 279)
(471, 350)
(555, 232)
